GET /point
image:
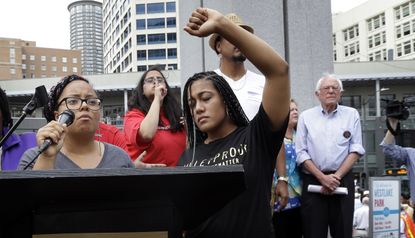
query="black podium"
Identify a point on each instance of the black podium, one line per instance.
(114, 200)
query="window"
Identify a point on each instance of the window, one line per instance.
(399, 50)
(74, 69)
(43, 67)
(397, 13)
(346, 51)
(140, 24)
(154, 23)
(156, 54)
(405, 10)
(12, 71)
(407, 47)
(23, 66)
(172, 53)
(64, 69)
(141, 55)
(43, 58)
(171, 37)
(172, 67)
(155, 8)
(53, 59)
(74, 60)
(141, 68)
(406, 28)
(64, 60)
(334, 39)
(156, 38)
(370, 42)
(170, 6)
(141, 39)
(32, 57)
(352, 101)
(398, 32)
(140, 9)
(372, 103)
(53, 68)
(171, 22)
(23, 57)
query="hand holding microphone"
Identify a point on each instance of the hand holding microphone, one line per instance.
(54, 132)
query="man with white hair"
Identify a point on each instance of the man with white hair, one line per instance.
(361, 219)
(328, 143)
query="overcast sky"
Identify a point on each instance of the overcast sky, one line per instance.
(47, 21)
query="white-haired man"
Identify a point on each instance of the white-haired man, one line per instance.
(328, 142)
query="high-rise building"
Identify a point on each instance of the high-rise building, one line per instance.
(86, 34)
(377, 30)
(21, 59)
(140, 33)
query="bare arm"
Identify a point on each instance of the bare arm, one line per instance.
(149, 125)
(205, 21)
(389, 138)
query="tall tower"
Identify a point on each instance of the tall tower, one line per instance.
(86, 34)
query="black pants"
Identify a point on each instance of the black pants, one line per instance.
(287, 224)
(322, 211)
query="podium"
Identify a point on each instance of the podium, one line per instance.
(114, 200)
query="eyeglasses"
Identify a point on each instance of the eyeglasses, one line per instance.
(154, 79)
(75, 103)
(327, 88)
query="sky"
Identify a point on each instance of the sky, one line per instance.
(47, 21)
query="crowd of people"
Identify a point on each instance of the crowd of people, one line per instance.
(228, 109)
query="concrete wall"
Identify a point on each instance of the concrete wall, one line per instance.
(307, 29)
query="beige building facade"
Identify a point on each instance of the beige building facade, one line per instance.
(21, 59)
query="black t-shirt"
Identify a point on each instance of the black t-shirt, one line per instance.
(256, 147)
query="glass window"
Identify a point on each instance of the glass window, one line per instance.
(23, 66)
(376, 23)
(42, 58)
(140, 24)
(170, 6)
(171, 22)
(64, 69)
(352, 101)
(43, 67)
(23, 57)
(12, 71)
(53, 58)
(172, 66)
(153, 23)
(399, 50)
(141, 55)
(74, 60)
(405, 10)
(383, 101)
(171, 37)
(155, 7)
(406, 29)
(53, 68)
(407, 47)
(141, 68)
(140, 9)
(141, 39)
(172, 53)
(156, 54)
(156, 38)
(32, 57)
(75, 69)
(64, 60)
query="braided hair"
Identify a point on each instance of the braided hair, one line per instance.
(54, 94)
(170, 106)
(5, 110)
(234, 109)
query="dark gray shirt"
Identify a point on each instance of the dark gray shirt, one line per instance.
(114, 157)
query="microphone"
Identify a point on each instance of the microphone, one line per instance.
(66, 117)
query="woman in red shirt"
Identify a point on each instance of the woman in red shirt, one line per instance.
(153, 122)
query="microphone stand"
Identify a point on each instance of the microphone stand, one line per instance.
(28, 109)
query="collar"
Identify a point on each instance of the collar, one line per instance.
(326, 113)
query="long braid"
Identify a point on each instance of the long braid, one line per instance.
(233, 107)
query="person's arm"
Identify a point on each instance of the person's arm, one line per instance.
(149, 125)
(204, 22)
(390, 149)
(281, 191)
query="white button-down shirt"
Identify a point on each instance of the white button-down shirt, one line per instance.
(328, 138)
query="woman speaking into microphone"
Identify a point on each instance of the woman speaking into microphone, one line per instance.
(73, 147)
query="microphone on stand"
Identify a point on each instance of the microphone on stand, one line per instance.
(39, 99)
(66, 117)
